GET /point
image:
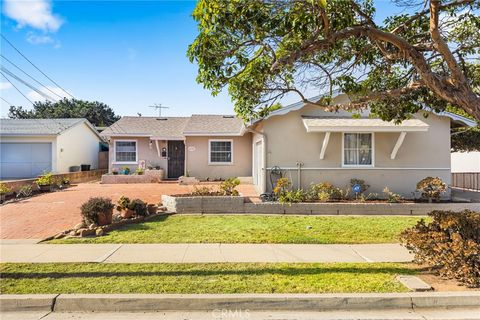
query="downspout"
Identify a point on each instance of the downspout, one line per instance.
(263, 187)
(299, 174)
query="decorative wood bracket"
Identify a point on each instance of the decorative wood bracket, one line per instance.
(397, 146)
(158, 149)
(324, 145)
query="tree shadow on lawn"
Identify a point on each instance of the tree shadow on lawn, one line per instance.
(253, 271)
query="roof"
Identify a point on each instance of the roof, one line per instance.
(34, 127)
(173, 128)
(342, 124)
(204, 124)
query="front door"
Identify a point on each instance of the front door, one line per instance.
(176, 159)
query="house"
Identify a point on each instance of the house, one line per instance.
(29, 147)
(305, 142)
(202, 146)
(312, 145)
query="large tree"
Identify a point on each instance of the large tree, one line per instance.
(263, 50)
(98, 113)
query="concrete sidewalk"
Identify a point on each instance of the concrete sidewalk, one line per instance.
(202, 253)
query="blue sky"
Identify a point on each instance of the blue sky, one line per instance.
(128, 54)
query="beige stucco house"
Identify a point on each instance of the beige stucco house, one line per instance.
(308, 144)
(29, 147)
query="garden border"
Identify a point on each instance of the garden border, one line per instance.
(225, 204)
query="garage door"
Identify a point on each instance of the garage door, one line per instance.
(24, 160)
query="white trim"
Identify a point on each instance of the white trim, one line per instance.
(324, 145)
(363, 129)
(127, 135)
(213, 134)
(115, 151)
(357, 168)
(220, 163)
(398, 144)
(158, 149)
(358, 165)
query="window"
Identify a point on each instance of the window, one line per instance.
(125, 151)
(357, 149)
(220, 152)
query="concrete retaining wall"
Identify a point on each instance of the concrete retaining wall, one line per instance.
(74, 177)
(238, 205)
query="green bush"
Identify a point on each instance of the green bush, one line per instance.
(293, 196)
(450, 244)
(138, 206)
(227, 187)
(431, 188)
(45, 180)
(324, 192)
(391, 196)
(4, 189)
(123, 203)
(93, 207)
(361, 183)
(204, 191)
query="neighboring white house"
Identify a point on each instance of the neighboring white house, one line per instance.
(29, 147)
(465, 162)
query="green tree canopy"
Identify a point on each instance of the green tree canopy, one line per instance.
(264, 50)
(98, 113)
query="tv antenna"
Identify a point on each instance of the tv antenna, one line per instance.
(159, 107)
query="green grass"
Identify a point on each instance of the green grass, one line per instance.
(258, 229)
(201, 278)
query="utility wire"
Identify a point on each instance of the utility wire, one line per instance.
(6, 101)
(16, 87)
(44, 86)
(11, 74)
(36, 66)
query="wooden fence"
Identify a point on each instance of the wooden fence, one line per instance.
(466, 180)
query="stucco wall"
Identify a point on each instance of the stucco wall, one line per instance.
(422, 153)
(197, 158)
(77, 145)
(145, 152)
(466, 162)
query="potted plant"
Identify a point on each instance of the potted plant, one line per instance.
(4, 190)
(152, 208)
(126, 170)
(139, 171)
(97, 210)
(114, 171)
(139, 207)
(122, 207)
(45, 182)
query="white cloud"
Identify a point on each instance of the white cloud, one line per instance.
(5, 85)
(39, 39)
(35, 96)
(34, 13)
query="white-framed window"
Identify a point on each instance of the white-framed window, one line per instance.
(220, 151)
(358, 149)
(126, 151)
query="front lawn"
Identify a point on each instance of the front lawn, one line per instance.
(258, 229)
(201, 278)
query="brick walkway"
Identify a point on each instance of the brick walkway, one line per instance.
(47, 214)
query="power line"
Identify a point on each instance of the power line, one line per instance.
(11, 74)
(35, 66)
(6, 101)
(44, 86)
(16, 87)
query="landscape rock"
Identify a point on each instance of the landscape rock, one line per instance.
(80, 225)
(99, 232)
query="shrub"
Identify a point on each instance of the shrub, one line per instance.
(324, 192)
(4, 189)
(364, 198)
(361, 183)
(45, 180)
(282, 185)
(431, 188)
(123, 203)
(292, 196)
(204, 191)
(391, 196)
(138, 206)
(450, 244)
(139, 171)
(25, 191)
(227, 187)
(93, 207)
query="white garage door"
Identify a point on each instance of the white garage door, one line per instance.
(24, 160)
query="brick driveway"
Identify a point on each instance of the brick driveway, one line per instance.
(47, 214)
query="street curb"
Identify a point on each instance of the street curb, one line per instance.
(204, 302)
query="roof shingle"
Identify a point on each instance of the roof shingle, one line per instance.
(36, 126)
